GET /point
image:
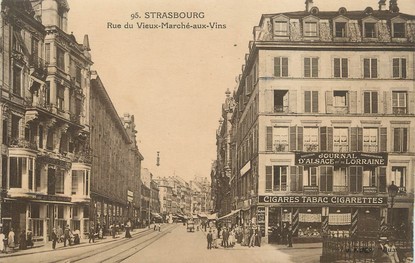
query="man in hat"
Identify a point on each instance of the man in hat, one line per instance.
(380, 254)
(67, 236)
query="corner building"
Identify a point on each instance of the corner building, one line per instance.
(325, 110)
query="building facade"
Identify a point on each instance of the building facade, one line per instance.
(325, 106)
(44, 107)
(116, 161)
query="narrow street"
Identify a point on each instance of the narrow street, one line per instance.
(172, 244)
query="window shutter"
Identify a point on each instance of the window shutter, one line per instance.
(359, 139)
(411, 102)
(285, 67)
(396, 140)
(315, 67)
(386, 102)
(330, 179)
(269, 138)
(307, 101)
(353, 179)
(403, 66)
(383, 139)
(300, 178)
(307, 67)
(366, 102)
(382, 179)
(323, 138)
(300, 138)
(374, 102)
(353, 135)
(359, 178)
(404, 139)
(366, 68)
(323, 178)
(293, 178)
(352, 102)
(337, 67)
(277, 68)
(329, 101)
(345, 67)
(330, 139)
(293, 138)
(374, 68)
(268, 178)
(395, 67)
(292, 96)
(315, 101)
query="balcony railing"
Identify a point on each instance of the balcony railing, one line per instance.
(281, 147)
(340, 188)
(280, 108)
(39, 65)
(399, 110)
(22, 143)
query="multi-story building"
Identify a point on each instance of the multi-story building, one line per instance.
(150, 197)
(325, 110)
(201, 192)
(45, 90)
(165, 197)
(116, 160)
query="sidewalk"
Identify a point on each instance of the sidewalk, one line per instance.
(46, 247)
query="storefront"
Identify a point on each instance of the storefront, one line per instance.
(311, 217)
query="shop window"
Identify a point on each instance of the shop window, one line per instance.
(326, 179)
(370, 139)
(340, 180)
(311, 101)
(341, 139)
(310, 139)
(341, 67)
(399, 102)
(399, 68)
(311, 67)
(400, 139)
(370, 102)
(370, 68)
(281, 101)
(281, 67)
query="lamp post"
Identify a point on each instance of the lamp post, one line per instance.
(392, 191)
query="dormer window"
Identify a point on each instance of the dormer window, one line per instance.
(398, 30)
(370, 30)
(281, 28)
(310, 29)
(340, 28)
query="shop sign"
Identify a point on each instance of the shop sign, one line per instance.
(341, 159)
(53, 198)
(370, 190)
(352, 200)
(261, 219)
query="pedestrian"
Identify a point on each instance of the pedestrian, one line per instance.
(159, 226)
(29, 238)
(380, 254)
(113, 230)
(11, 239)
(290, 236)
(252, 236)
(54, 237)
(2, 245)
(22, 240)
(225, 236)
(67, 233)
(91, 235)
(209, 238)
(392, 252)
(127, 230)
(232, 238)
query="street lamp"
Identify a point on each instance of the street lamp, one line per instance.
(392, 191)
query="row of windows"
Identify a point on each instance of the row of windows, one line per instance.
(340, 67)
(370, 29)
(352, 179)
(341, 101)
(337, 139)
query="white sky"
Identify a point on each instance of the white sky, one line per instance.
(174, 81)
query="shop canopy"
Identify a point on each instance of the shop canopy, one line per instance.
(156, 215)
(230, 214)
(202, 215)
(213, 216)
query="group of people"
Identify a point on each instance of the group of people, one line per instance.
(282, 235)
(66, 237)
(249, 235)
(8, 243)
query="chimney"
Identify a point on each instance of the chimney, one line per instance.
(308, 5)
(393, 6)
(382, 5)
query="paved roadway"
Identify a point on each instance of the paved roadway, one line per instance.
(174, 245)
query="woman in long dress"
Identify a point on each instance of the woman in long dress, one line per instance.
(2, 237)
(10, 239)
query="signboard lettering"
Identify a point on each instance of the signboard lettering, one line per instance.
(358, 200)
(339, 159)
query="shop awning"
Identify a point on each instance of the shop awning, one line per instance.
(230, 214)
(202, 215)
(181, 216)
(213, 216)
(156, 215)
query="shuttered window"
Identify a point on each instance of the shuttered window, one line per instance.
(269, 138)
(341, 68)
(382, 179)
(281, 67)
(296, 178)
(370, 68)
(326, 178)
(399, 68)
(383, 139)
(356, 175)
(311, 67)
(370, 102)
(311, 101)
(400, 139)
(268, 178)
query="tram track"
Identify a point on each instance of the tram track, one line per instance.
(124, 244)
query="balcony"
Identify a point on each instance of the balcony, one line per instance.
(280, 109)
(22, 143)
(37, 67)
(311, 147)
(399, 110)
(340, 188)
(281, 147)
(307, 189)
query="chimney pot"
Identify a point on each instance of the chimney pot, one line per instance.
(308, 5)
(382, 5)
